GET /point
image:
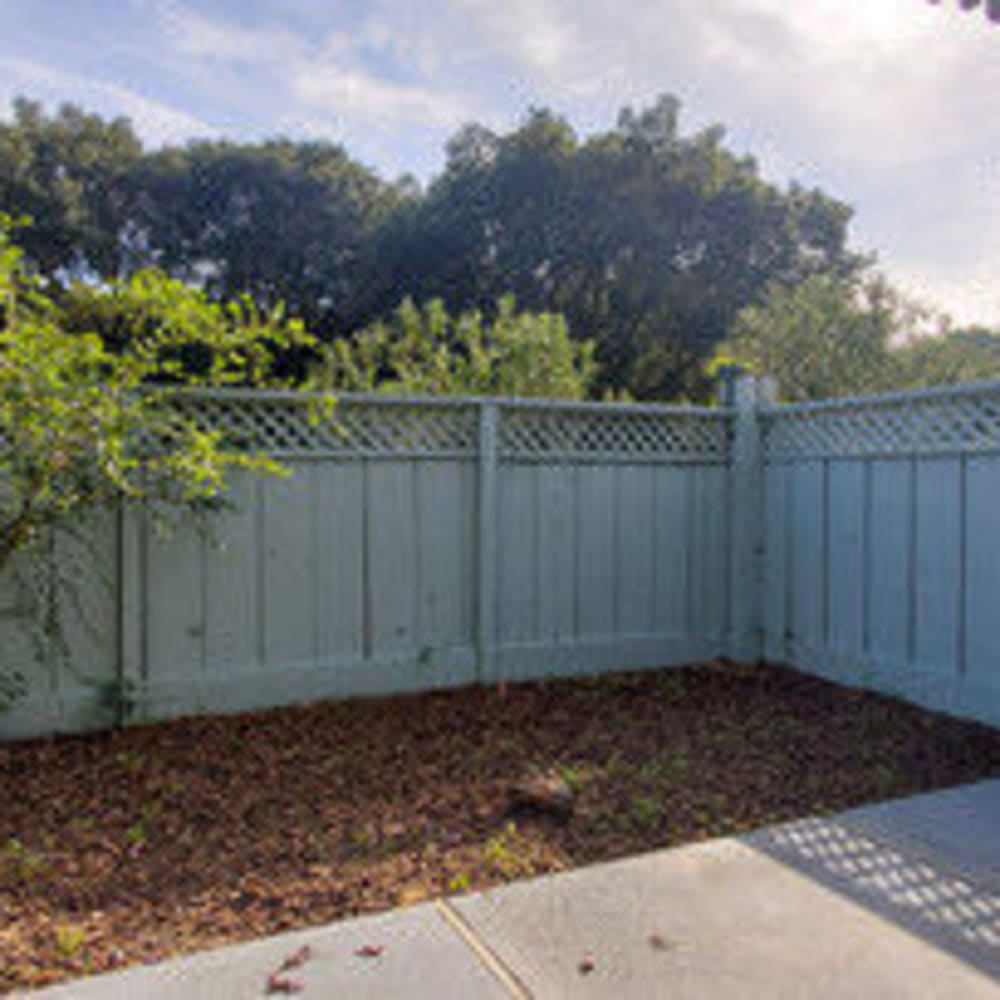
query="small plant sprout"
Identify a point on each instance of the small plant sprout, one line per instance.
(69, 940)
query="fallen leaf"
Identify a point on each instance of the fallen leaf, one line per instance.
(296, 959)
(369, 951)
(282, 984)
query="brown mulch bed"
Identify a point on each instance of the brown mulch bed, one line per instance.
(134, 845)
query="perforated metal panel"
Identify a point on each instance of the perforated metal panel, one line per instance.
(919, 423)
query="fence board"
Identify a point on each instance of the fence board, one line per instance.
(808, 569)
(519, 549)
(596, 554)
(393, 560)
(777, 560)
(938, 499)
(175, 607)
(634, 496)
(671, 545)
(846, 561)
(442, 543)
(289, 568)
(232, 591)
(556, 553)
(890, 564)
(982, 647)
(340, 561)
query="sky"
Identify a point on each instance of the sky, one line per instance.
(890, 105)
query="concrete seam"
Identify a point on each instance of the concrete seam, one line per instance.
(487, 957)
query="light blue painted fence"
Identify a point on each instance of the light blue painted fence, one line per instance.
(883, 544)
(419, 544)
(432, 543)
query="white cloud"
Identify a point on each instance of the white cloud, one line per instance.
(541, 34)
(213, 41)
(325, 72)
(356, 93)
(155, 121)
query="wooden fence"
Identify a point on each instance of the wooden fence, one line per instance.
(417, 544)
(431, 543)
(883, 544)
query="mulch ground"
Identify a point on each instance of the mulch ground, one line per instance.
(134, 845)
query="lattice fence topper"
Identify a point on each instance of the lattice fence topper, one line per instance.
(607, 433)
(923, 422)
(285, 425)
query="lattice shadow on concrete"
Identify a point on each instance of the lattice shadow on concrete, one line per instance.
(953, 910)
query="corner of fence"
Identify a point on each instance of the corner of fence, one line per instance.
(486, 537)
(747, 396)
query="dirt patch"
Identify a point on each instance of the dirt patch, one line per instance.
(134, 845)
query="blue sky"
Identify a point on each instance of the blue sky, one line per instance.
(892, 105)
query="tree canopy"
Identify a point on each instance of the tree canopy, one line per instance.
(655, 243)
(72, 174)
(282, 221)
(649, 240)
(424, 350)
(85, 424)
(831, 337)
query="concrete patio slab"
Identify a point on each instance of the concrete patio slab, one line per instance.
(422, 957)
(894, 900)
(928, 864)
(958, 827)
(716, 920)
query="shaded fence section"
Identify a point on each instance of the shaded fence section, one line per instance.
(883, 544)
(420, 544)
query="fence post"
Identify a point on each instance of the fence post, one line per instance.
(747, 394)
(131, 597)
(486, 542)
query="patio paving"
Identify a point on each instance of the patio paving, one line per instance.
(901, 899)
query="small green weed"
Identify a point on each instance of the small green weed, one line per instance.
(22, 860)
(128, 761)
(69, 941)
(665, 767)
(498, 847)
(138, 833)
(459, 882)
(576, 776)
(646, 811)
(671, 684)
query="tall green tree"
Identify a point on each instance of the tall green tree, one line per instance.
(825, 336)
(649, 239)
(71, 173)
(948, 358)
(283, 221)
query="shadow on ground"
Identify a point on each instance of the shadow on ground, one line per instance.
(951, 903)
